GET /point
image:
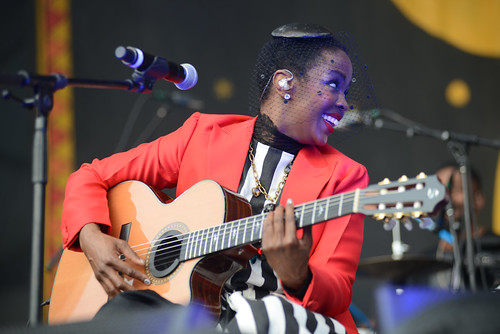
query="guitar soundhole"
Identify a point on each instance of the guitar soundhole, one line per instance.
(165, 254)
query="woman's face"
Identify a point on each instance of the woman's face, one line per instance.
(317, 99)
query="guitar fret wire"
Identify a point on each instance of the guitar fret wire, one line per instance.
(205, 243)
(340, 204)
(200, 240)
(193, 245)
(243, 239)
(326, 209)
(261, 223)
(253, 227)
(188, 245)
(234, 235)
(314, 211)
(223, 235)
(229, 236)
(198, 243)
(356, 201)
(237, 234)
(189, 241)
(217, 239)
(211, 240)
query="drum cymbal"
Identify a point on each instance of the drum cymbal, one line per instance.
(387, 267)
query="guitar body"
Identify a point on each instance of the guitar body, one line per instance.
(139, 215)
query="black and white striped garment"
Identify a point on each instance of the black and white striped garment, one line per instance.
(275, 314)
(251, 296)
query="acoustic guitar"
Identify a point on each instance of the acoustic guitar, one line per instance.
(193, 244)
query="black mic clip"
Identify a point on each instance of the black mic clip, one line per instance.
(147, 78)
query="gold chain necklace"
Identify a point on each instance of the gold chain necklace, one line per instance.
(259, 188)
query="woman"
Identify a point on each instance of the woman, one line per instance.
(280, 157)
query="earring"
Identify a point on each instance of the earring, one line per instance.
(283, 83)
(287, 98)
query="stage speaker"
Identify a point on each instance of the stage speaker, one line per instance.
(424, 310)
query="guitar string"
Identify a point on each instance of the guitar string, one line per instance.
(307, 208)
(173, 246)
(176, 243)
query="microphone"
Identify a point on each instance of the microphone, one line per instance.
(355, 118)
(184, 76)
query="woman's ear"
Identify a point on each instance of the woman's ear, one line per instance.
(283, 81)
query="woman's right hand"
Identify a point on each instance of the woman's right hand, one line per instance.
(109, 257)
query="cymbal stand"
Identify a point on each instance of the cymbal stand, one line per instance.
(398, 247)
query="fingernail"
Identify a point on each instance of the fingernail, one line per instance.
(289, 201)
(147, 281)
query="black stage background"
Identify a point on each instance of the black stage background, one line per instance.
(409, 69)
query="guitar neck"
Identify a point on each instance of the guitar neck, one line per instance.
(249, 230)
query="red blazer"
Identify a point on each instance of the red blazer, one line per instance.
(215, 147)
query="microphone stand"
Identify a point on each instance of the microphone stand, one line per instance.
(44, 87)
(458, 144)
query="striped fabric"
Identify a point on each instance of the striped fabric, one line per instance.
(275, 314)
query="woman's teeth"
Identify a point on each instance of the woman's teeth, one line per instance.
(330, 119)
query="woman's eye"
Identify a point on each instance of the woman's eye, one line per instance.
(333, 85)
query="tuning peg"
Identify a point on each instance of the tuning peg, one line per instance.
(379, 216)
(389, 224)
(407, 224)
(403, 178)
(421, 175)
(426, 223)
(385, 181)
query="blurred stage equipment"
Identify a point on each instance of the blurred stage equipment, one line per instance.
(458, 144)
(44, 87)
(424, 310)
(399, 267)
(165, 320)
(398, 270)
(169, 100)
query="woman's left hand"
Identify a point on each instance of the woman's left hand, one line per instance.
(285, 253)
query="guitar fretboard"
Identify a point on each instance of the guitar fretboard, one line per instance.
(249, 230)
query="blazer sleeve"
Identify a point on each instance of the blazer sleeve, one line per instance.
(333, 262)
(155, 163)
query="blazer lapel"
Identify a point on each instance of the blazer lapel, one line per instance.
(228, 148)
(310, 172)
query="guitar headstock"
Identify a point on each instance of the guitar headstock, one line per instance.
(403, 198)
